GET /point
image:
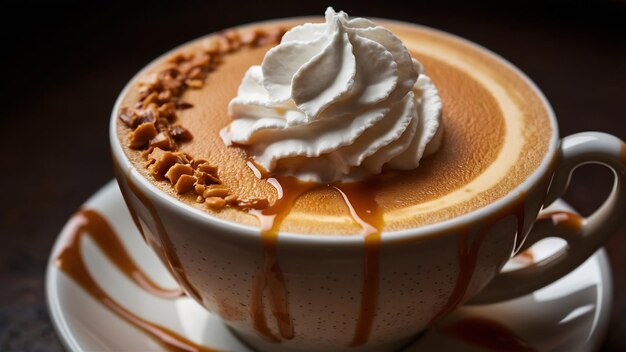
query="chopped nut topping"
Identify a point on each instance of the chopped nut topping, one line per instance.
(205, 178)
(168, 110)
(184, 105)
(180, 133)
(140, 137)
(151, 118)
(163, 141)
(165, 96)
(177, 170)
(151, 98)
(162, 124)
(184, 184)
(163, 161)
(231, 199)
(149, 115)
(128, 116)
(251, 38)
(199, 188)
(216, 203)
(208, 168)
(198, 162)
(195, 73)
(216, 191)
(194, 83)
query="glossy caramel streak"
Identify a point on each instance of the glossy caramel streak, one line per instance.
(564, 219)
(270, 277)
(70, 261)
(466, 270)
(360, 198)
(623, 153)
(487, 334)
(165, 241)
(120, 175)
(468, 257)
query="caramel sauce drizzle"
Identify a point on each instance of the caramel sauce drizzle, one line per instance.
(175, 265)
(467, 263)
(487, 334)
(468, 254)
(120, 175)
(360, 199)
(623, 153)
(89, 222)
(270, 277)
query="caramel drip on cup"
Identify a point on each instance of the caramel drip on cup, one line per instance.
(88, 222)
(468, 253)
(270, 277)
(360, 199)
(174, 264)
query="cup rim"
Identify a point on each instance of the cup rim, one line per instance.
(301, 238)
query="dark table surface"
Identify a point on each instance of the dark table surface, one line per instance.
(64, 64)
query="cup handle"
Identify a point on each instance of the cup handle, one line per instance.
(584, 236)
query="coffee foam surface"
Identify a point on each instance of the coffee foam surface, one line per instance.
(490, 115)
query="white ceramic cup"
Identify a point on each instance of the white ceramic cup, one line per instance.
(424, 272)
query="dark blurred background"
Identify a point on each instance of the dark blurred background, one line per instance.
(63, 65)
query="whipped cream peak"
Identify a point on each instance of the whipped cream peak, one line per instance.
(336, 101)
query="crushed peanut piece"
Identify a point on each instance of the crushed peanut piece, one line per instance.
(185, 183)
(149, 115)
(194, 83)
(180, 133)
(177, 170)
(150, 99)
(231, 199)
(128, 116)
(216, 203)
(163, 141)
(205, 178)
(199, 188)
(165, 96)
(208, 168)
(196, 162)
(163, 161)
(168, 110)
(216, 191)
(142, 135)
(184, 105)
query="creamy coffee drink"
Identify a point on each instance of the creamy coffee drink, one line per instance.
(491, 132)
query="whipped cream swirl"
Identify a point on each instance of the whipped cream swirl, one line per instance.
(336, 101)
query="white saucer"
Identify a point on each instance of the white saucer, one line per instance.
(569, 315)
